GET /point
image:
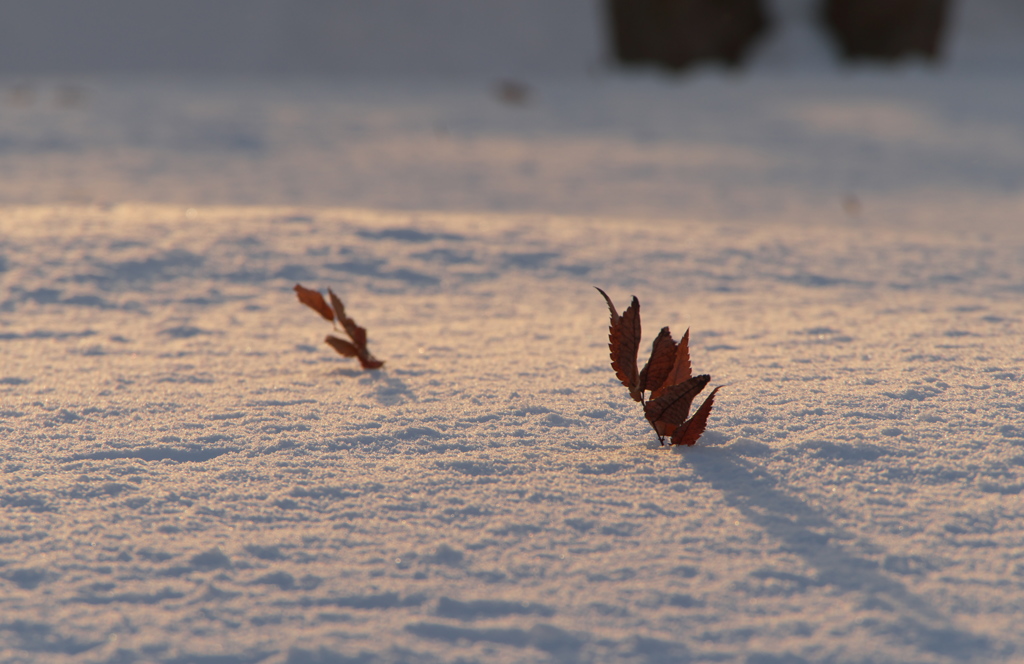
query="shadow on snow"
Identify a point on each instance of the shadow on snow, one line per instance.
(808, 533)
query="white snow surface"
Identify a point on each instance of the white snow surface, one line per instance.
(912, 147)
(189, 475)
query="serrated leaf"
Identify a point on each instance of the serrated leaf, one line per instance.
(658, 367)
(673, 406)
(691, 430)
(315, 301)
(611, 307)
(681, 371)
(667, 376)
(624, 343)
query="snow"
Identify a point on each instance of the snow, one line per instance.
(779, 147)
(189, 474)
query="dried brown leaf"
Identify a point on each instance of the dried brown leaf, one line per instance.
(688, 433)
(673, 406)
(370, 362)
(624, 343)
(358, 334)
(667, 376)
(357, 346)
(611, 307)
(343, 347)
(658, 367)
(315, 301)
(348, 349)
(681, 371)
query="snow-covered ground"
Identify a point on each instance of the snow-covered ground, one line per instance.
(910, 147)
(188, 474)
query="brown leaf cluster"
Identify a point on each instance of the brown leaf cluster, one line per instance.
(335, 311)
(667, 378)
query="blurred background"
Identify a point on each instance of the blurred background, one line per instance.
(845, 110)
(496, 37)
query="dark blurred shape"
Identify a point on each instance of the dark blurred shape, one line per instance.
(513, 93)
(852, 205)
(676, 34)
(886, 29)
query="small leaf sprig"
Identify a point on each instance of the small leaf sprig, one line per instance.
(667, 377)
(335, 311)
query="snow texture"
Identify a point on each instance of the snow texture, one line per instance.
(190, 475)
